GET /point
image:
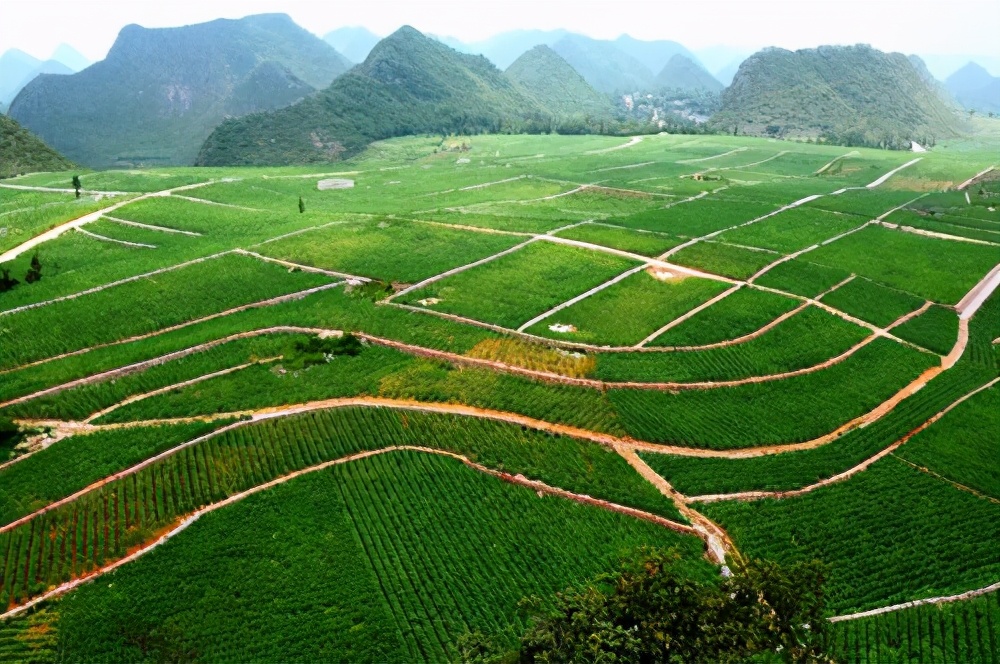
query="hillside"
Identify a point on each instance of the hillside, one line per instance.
(17, 69)
(556, 87)
(503, 49)
(22, 152)
(853, 95)
(353, 43)
(603, 65)
(685, 75)
(975, 88)
(160, 92)
(409, 84)
(654, 55)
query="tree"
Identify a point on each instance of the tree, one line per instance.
(302, 205)
(34, 270)
(76, 185)
(651, 610)
(6, 283)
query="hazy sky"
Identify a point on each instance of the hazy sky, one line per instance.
(911, 26)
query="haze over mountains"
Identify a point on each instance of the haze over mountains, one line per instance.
(177, 95)
(160, 92)
(18, 68)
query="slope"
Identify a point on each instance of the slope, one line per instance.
(654, 55)
(22, 152)
(684, 74)
(409, 84)
(975, 88)
(556, 87)
(17, 69)
(854, 95)
(160, 92)
(603, 65)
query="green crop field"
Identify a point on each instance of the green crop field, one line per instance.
(518, 390)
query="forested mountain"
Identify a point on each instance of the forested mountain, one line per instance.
(975, 88)
(855, 95)
(22, 152)
(17, 69)
(160, 92)
(70, 57)
(409, 84)
(603, 65)
(685, 75)
(503, 49)
(555, 86)
(654, 55)
(354, 43)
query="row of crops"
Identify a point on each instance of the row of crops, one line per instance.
(102, 525)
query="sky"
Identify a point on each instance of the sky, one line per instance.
(911, 26)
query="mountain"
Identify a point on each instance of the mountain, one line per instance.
(684, 75)
(70, 57)
(409, 84)
(975, 88)
(555, 86)
(728, 73)
(17, 69)
(720, 57)
(22, 152)
(354, 43)
(654, 55)
(603, 65)
(503, 49)
(854, 95)
(937, 86)
(160, 92)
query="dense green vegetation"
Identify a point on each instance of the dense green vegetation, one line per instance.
(936, 329)
(872, 302)
(744, 312)
(159, 93)
(850, 95)
(22, 152)
(555, 86)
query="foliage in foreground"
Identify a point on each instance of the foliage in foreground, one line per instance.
(649, 611)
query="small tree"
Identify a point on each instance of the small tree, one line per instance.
(6, 283)
(76, 185)
(34, 270)
(302, 205)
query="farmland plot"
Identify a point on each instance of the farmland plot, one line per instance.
(791, 230)
(872, 302)
(802, 277)
(697, 218)
(724, 259)
(744, 312)
(645, 243)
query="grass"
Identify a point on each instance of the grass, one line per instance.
(872, 302)
(792, 230)
(645, 243)
(627, 312)
(936, 329)
(697, 218)
(937, 270)
(396, 251)
(802, 277)
(723, 259)
(744, 312)
(510, 290)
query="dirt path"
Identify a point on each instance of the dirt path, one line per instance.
(53, 233)
(957, 485)
(850, 472)
(151, 227)
(581, 296)
(826, 167)
(623, 168)
(936, 235)
(731, 168)
(204, 201)
(688, 315)
(298, 295)
(98, 289)
(56, 190)
(304, 268)
(490, 184)
(975, 298)
(714, 156)
(975, 177)
(635, 140)
(103, 238)
(518, 480)
(970, 594)
(888, 175)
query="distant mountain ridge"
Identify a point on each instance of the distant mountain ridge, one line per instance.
(17, 69)
(854, 95)
(685, 75)
(354, 43)
(556, 87)
(409, 84)
(975, 88)
(160, 92)
(22, 152)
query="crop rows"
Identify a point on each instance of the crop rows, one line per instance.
(104, 524)
(802, 277)
(744, 312)
(872, 302)
(963, 631)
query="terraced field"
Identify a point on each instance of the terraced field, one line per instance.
(228, 426)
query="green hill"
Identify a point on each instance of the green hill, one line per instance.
(159, 93)
(22, 152)
(685, 75)
(409, 84)
(603, 65)
(854, 95)
(556, 87)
